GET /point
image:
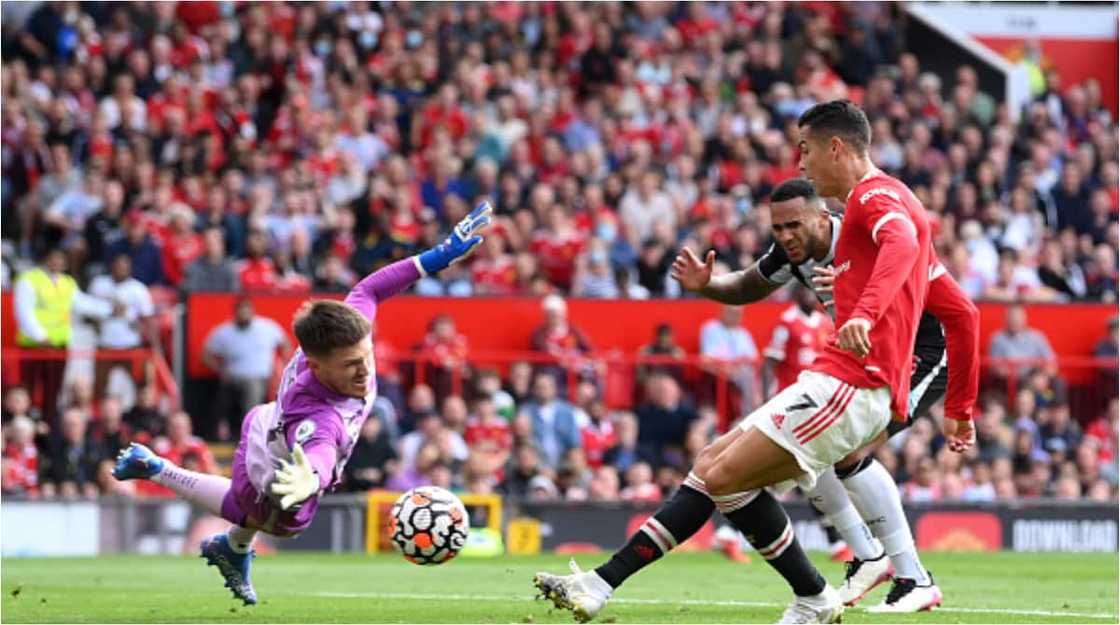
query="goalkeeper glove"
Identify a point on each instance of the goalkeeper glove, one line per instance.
(295, 481)
(460, 243)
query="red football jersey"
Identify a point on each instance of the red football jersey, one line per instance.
(179, 251)
(882, 275)
(495, 277)
(257, 274)
(796, 341)
(495, 432)
(597, 440)
(557, 255)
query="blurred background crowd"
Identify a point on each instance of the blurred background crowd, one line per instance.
(152, 149)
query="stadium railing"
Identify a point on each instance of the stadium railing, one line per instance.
(138, 359)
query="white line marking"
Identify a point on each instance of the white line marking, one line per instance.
(696, 602)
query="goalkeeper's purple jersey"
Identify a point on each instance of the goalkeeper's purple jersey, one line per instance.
(324, 422)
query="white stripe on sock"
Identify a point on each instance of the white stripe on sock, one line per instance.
(657, 539)
(780, 544)
(694, 482)
(731, 503)
(665, 533)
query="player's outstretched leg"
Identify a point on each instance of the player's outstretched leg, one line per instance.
(875, 494)
(585, 593)
(869, 565)
(137, 462)
(233, 555)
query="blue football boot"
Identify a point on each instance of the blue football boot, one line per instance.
(233, 566)
(137, 462)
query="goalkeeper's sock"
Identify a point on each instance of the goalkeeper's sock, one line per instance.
(240, 538)
(678, 519)
(201, 489)
(763, 521)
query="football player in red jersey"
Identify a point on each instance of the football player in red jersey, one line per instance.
(843, 404)
(800, 334)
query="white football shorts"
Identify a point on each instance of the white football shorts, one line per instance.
(820, 420)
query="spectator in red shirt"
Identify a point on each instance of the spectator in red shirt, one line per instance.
(443, 113)
(445, 351)
(1105, 431)
(182, 245)
(598, 434)
(493, 271)
(557, 245)
(488, 435)
(256, 272)
(21, 460)
(563, 341)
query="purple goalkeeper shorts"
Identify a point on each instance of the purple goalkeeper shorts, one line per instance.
(243, 505)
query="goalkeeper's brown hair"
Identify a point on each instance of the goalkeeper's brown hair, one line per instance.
(323, 325)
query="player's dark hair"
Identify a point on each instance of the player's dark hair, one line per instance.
(324, 325)
(839, 118)
(794, 188)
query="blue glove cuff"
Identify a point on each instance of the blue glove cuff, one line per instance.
(435, 260)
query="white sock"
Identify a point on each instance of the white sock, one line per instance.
(875, 495)
(598, 584)
(830, 497)
(201, 489)
(241, 538)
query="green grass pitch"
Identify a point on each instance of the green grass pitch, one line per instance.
(683, 588)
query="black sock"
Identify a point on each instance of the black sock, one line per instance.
(674, 522)
(767, 527)
(832, 533)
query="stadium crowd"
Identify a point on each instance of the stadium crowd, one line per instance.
(292, 147)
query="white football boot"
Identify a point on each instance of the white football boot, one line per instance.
(906, 595)
(823, 608)
(583, 593)
(861, 576)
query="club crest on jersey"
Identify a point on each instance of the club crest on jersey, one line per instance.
(879, 191)
(305, 430)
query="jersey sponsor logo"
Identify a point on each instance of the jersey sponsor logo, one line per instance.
(879, 191)
(305, 430)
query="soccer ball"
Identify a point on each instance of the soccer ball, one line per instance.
(428, 525)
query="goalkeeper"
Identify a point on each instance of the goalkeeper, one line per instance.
(294, 449)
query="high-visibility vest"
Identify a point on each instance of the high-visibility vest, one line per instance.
(53, 301)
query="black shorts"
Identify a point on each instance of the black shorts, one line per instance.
(927, 386)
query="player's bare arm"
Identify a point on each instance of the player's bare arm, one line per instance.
(734, 288)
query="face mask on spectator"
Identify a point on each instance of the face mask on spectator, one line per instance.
(606, 231)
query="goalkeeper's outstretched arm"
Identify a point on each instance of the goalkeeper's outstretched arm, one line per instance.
(388, 281)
